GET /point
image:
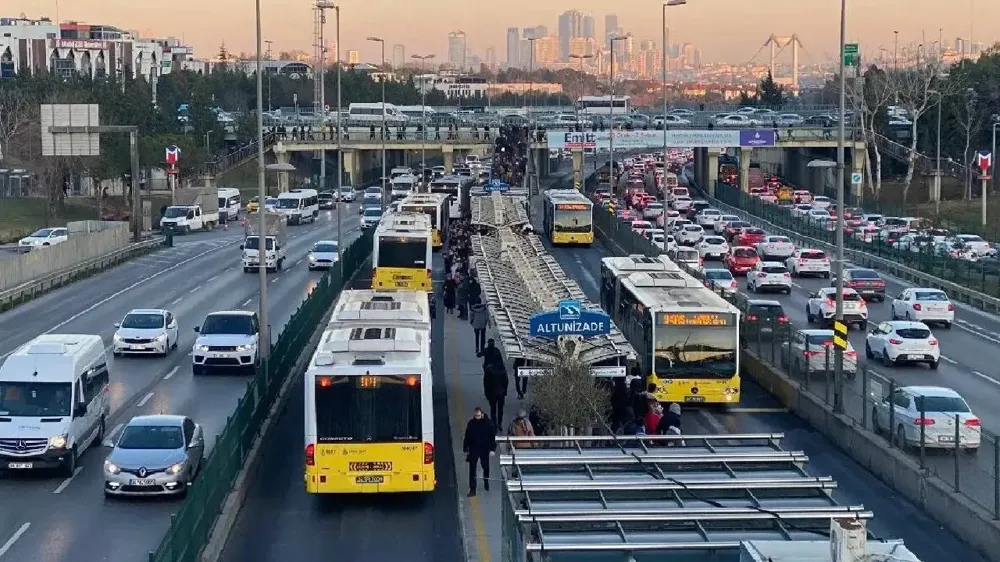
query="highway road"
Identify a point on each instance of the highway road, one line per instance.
(280, 522)
(759, 412)
(46, 518)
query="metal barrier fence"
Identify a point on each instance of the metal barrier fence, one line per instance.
(191, 526)
(962, 454)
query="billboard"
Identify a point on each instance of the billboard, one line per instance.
(680, 138)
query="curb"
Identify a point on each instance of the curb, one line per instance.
(231, 508)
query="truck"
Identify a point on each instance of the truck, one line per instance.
(755, 178)
(274, 234)
(195, 208)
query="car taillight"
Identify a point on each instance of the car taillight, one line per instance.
(751, 317)
(761, 274)
(951, 308)
(923, 421)
(895, 342)
(788, 275)
(783, 319)
(932, 342)
(826, 260)
(851, 354)
(812, 353)
(917, 307)
(972, 422)
(879, 283)
(310, 455)
(428, 453)
(733, 284)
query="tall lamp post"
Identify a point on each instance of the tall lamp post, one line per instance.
(381, 43)
(611, 136)
(667, 4)
(580, 58)
(838, 358)
(264, 350)
(993, 151)
(423, 116)
(937, 165)
(528, 99)
(323, 6)
(340, 153)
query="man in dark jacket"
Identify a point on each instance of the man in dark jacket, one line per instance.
(495, 381)
(479, 443)
(479, 317)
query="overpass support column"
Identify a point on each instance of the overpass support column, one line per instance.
(352, 167)
(577, 167)
(745, 168)
(859, 160)
(208, 180)
(712, 170)
(700, 175)
(449, 157)
(543, 162)
(282, 157)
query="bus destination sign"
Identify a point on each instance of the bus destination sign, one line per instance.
(572, 207)
(697, 319)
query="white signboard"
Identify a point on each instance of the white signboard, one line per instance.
(628, 140)
(70, 115)
(599, 372)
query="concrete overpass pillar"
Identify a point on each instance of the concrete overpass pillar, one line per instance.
(859, 159)
(577, 167)
(745, 168)
(712, 171)
(352, 167)
(543, 162)
(208, 181)
(449, 157)
(282, 157)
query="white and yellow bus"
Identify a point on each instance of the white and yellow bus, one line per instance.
(402, 253)
(569, 217)
(457, 189)
(435, 206)
(369, 412)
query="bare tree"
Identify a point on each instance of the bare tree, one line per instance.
(869, 96)
(913, 87)
(15, 116)
(970, 119)
(569, 398)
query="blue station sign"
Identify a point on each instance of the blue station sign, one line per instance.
(496, 185)
(570, 320)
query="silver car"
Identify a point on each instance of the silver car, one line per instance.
(156, 455)
(812, 351)
(323, 255)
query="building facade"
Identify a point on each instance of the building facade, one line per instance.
(457, 49)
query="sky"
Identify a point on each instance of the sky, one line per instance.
(724, 30)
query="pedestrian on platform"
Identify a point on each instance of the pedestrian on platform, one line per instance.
(449, 294)
(521, 427)
(479, 317)
(478, 445)
(495, 380)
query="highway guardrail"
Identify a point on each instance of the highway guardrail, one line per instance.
(24, 292)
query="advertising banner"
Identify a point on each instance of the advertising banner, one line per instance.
(680, 138)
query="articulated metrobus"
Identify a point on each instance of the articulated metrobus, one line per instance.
(401, 257)
(435, 206)
(457, 189)
(569, 217)
(369, 411)
(687, 337)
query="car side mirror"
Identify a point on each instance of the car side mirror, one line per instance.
(118, 325)
(814, 295)
(241, 246)
(197, 329)
(80, 410)
(195, 442)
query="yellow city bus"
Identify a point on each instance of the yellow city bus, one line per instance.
(435, 206)
(402, 252)
(687, 337)
(369, 411)
(569, 217)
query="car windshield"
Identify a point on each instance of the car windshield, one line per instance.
(744, 253)
(346, 189)
(35, 399)
(753, 232)
(766, 310)
(779, 240)
(288, 203)
(43, 233)
(774, 269)
(913, 333)
(931, 296)
(852, 297)
(152, 437)
(863, 274)
(143, 321)
(373, 212)
(238, 324)
(718, 274)
(819, 339)
(738, 224)
(687, 255)
(949, 404)
(812, 255)
(715, 240)
(175, 212)
(328, 247)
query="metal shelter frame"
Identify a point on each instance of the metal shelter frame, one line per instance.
(659, 494)
(519, 279)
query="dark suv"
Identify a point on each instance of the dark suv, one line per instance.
(867, 282)
(763, 319)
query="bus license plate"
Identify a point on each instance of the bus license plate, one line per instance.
(19, 465)
(370, 466)
(142, 482)
(369, 479)
(402, 284)
(694, 398)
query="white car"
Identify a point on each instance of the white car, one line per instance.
(690, 234)
(873, 218)
(811, 351)
(722, 222)
(678, 225)
(808, 261)
(347, 194)
(903, 341)
(789, 119)
(652, 211)
(323, 255)
(800, 210)
(145, 332)
(822, 202)
(734, 120)
(817, 217)
(713, 247)
(228, 339)
(975, 243)
(822, 305)
(924, 305)
(932, 409)
(720, 279)
(779, 247)
(707, 217)
(373, 195)
(682, 255)
(681, 203)
(44, 237)
(666, 218)
(769, 276)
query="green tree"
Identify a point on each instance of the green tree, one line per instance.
(770, 93)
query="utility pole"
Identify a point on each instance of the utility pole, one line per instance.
(666, 4)
(611, 137)
(264, 345)
(385, 131)
(340, 152)
(268, 56)
(423, 116)
(838, 358)
(322, 6)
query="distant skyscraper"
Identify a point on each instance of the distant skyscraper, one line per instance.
(353, 57)
(610, 28)
(398, 56)
(513, 47)
(456, 49)
(589, 27)
(491, 57)
(570, 26)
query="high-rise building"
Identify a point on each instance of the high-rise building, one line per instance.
(513, 47)
(610, 29)
(398, 56)
(690, 55)
(570, 26)
(589, 27)
(353, 57)
(491, 57)
(456, 49)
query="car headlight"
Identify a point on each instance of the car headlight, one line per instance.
(111, 468)
(57, 442)
(201, 348)
(117, 337)
(161, 337)
(175, 469)
(312, 258)
(247, 347)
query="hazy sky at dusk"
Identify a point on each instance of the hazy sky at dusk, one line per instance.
(730, 30)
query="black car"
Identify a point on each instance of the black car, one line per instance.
(326, 200)
(867, 282)
(818, 121)
(762, 319)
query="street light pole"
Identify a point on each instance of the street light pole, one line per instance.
(993, 155)
(323, 6)
(667, 4)
(611, 137)
(385, 131)
(264, 345)
(340, 152)
(838, 358)
(936, 194)
(423, 116)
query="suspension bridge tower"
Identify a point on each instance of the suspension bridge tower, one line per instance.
(777, 45)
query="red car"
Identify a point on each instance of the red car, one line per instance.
(751, 237)
(741, 259)
(735, 229)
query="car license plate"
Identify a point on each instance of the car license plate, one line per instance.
(142, 482)
(19, 465)
(370, 479)
(946, 438)
(694, 398)
(914, 357)
(369, 466)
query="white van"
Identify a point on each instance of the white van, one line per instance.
(403, 186)
(472, 161)
(230, 203)
(55, 401)
(371, 113)
(299, 205)
(399, 171)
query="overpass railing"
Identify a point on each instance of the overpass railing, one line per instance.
(240, 155)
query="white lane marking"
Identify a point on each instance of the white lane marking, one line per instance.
(212, 278)
(65, 483)
(195, 289)
(13, 539)
(275, 280)
(246, 302)
(298, 262)
(177, 300)
(986, 378)
(119, 293)
(977, 330)
(796, 285)
(171, 373)
(145, 400)
(949, 360)
(716, 424)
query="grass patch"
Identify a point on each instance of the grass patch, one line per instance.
(20, 216)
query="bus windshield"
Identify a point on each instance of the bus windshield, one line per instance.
(367, 409)
(428, 210)
(572, 221)
(703, 351)
(402, 252)
(288, 203)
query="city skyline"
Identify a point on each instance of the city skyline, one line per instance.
(719, 35)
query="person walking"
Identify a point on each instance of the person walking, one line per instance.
(449, 295)
(479, 317)
(495, 381)
(479, 444)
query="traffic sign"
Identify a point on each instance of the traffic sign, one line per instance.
(851, 54)
(570, 319)
(856, 178)
(984, 159)
(840, 334)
